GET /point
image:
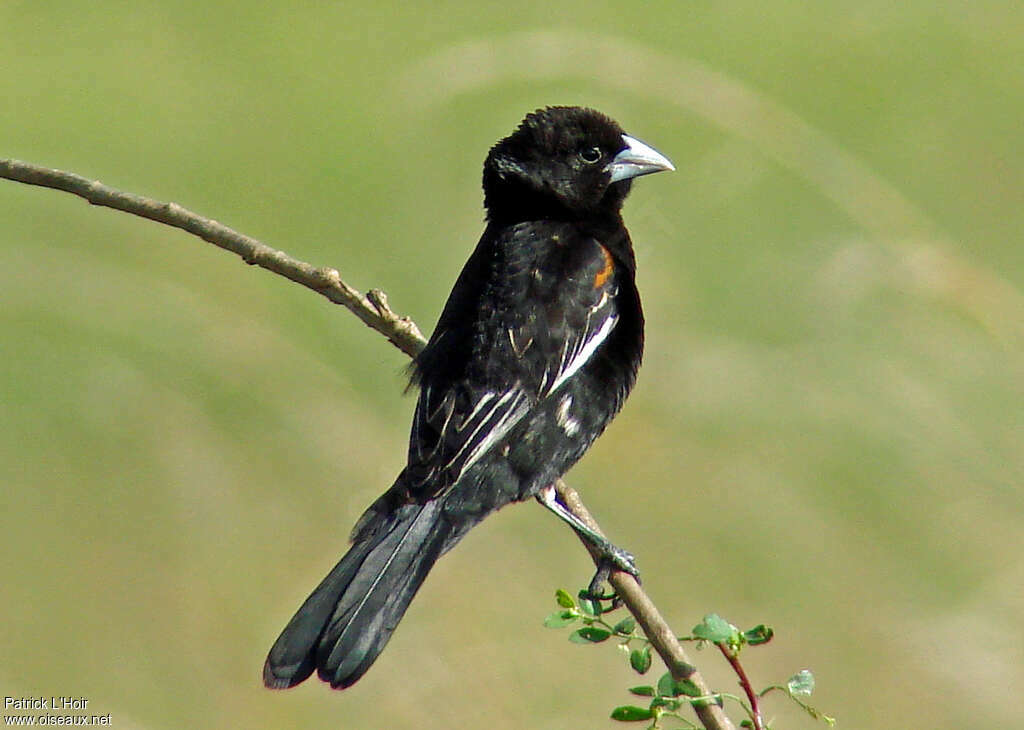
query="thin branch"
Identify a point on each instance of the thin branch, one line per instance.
(372, 308)
(657, 630)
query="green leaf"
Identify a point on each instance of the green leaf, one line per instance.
(558, 619)
(643, 691)
(625, 626)
(591, 608)
(595, 634)
(564, 599)
(801, 683)
(589, 635)
(631, 713)
(760, 634)
(666, 685)
(714, 628)
(669, 687)
(640, 659)
(688, 688)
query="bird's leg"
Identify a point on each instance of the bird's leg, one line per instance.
(610, 556)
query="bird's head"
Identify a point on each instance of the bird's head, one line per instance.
(565, 162)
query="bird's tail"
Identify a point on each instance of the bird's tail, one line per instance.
(346, 622)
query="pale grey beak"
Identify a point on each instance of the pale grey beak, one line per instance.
(637, 159)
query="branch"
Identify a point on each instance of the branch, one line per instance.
(372, 308)
(657, 630)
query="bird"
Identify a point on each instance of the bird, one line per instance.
(534, 353)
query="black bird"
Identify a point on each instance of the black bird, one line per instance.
(534, 353)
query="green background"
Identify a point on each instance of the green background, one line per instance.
(827, 431)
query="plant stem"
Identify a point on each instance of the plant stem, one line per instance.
(734, 661)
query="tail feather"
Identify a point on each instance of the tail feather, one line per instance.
(346, 622)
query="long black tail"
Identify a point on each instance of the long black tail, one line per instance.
(346, 622)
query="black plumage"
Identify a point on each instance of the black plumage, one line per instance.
(535, 352)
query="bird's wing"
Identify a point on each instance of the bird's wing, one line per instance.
(453, 427)
(567, 308)
(542, 316)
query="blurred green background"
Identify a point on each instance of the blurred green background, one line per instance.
(826, 435)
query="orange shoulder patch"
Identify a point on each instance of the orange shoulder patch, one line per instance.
(606, 271)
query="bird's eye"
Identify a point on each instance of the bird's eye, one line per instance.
(590, 155)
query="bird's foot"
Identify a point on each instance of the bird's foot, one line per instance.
(612, 558)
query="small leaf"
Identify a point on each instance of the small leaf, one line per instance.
(589, 607)
(595, 634)
(666, 685)
(669, 687)
(760, 634)
(801, 683)
(688, 688)
(714, 628)
(564, 599)
(643, 691)
(589, 635)
(625, 626)
(558, 619)
(746, 724)
(631, 713)
(640, 659)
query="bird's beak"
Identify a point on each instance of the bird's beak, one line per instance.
(637, 159)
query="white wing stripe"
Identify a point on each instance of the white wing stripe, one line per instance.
(508, 419)
(584, 353)
(479, 405)
(483, 421)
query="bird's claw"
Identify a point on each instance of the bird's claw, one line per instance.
(613, 559)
